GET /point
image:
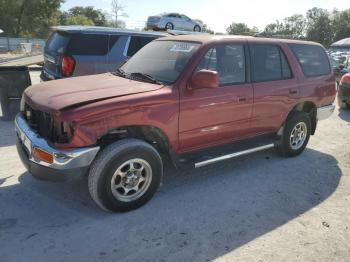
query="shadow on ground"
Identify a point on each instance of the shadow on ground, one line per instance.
(197, 215)
(7, 131)
(344, 114)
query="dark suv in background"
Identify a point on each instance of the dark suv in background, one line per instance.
(85, 50)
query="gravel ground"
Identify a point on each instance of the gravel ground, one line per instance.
(259, 207)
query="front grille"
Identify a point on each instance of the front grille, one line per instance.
(45, 126)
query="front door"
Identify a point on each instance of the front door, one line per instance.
(214, 116)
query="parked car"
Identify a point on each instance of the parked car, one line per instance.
(338, 69)
(344, 92)
(184, 98)
(173, 21)
(86, 50)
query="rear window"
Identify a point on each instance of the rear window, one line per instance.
(57, 42)
(269, 63)
(312, 59)
(88, 44)
(137, 42)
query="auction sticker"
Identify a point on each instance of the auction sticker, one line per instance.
(182, 47)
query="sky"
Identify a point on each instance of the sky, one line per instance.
(217, 14)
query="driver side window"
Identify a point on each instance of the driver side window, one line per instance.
(228, 60)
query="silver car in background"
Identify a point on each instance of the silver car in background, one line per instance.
(173, 21)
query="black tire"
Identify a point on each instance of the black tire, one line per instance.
(112, 158)
(169, 26)
(198, 28)
(285, 147)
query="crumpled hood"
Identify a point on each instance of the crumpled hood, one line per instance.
(59, 94)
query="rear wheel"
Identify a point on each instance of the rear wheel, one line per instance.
(296, 134)
(125, 175)
(197, 28)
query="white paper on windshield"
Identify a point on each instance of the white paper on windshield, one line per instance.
(182, 47)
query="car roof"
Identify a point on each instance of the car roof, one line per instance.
(207, 38)
(104, 30)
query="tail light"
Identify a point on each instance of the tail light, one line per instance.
(68, 64)
(345, 79)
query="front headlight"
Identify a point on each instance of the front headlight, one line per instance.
(22, 105)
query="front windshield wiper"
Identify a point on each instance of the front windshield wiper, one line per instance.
(119, 72)
(146, 76)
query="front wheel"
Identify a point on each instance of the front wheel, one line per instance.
(125, 175)
(296, 134)
(169, 26)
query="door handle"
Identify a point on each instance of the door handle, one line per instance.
(293, 91)
(242, 99)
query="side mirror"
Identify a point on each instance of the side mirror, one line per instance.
(205, 79)
(341, 66)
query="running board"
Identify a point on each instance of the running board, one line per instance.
(233, 155)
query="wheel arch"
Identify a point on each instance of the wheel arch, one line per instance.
(307, 107)
(151, 134)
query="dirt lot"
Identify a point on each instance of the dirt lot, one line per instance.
(256, 208)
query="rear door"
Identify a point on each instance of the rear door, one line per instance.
(214, 116)
(276, 89)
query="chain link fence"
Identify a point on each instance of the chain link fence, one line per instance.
(10, 44)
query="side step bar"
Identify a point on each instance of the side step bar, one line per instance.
(228, 156)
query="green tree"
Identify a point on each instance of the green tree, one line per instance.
(341, 24)
(95, 15)
(78, 20)
(238, 28)
(29, 18)
(292, 26)
(319, 26)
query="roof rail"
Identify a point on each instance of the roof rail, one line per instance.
(281, 36)
(181, 32)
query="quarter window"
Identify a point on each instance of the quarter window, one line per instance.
(312, 59)
(228, 61)
(88, 44)
(269, 63)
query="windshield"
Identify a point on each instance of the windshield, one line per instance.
(162, 60)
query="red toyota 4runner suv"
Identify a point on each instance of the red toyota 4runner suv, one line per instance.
(193, 100)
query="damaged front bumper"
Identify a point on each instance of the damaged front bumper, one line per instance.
(61, 163)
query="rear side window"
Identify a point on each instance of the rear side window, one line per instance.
(312, 59)
(269, 63)
(57, 42)
(137, 42)
(88, 44)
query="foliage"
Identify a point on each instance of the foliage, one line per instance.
(77, 20)
(318, 25)
(117, 8)
(293, 25)
(238, 29)
(91, 16)
(341, 24)
(29, 18)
